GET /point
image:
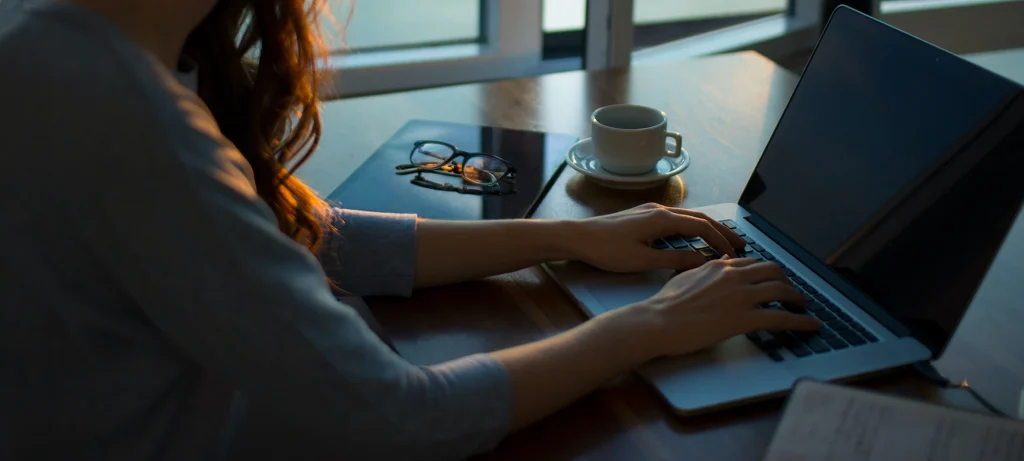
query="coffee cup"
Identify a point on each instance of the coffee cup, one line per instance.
(630, 140)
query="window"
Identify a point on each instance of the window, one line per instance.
(660, 21)
(390, 24)
(405, 44)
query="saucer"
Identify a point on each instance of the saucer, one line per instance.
(581, 158)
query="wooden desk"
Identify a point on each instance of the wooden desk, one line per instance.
(726, 108)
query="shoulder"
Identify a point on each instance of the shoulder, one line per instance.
(82, 95)
(60, 50)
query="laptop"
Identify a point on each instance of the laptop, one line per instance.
(885, 192)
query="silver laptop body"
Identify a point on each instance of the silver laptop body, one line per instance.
(957, 144)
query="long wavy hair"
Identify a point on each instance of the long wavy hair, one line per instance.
(259, 73)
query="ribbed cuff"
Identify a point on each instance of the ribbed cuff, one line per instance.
(371, 253)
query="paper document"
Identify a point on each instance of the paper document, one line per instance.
(828, 422)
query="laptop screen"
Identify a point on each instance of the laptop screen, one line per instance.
(882, 168)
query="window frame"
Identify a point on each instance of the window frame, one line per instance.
(511, 46)
(512, 42)
(960, 26)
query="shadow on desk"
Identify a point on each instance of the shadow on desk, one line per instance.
(604, 200)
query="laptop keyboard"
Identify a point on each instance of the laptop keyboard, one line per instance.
(838, 330)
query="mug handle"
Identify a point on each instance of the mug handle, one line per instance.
(679, 144)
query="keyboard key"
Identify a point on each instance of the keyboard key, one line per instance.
(779, 263)
(677, 242)
(660, 245)
(768, 255)
(821, 298)
(747, 249)
(775, 355)
(826, 332)
(817, 345)
(832, 307)
(699, 245)
(763, 339)
(846, 317)
(836, 343)
(799, 350)
(811, 290)
(788, 272)
(782, 336)
(754, 256)
(851, 337)
(799, 281)
(794, 308)
(869, 336)
(756, 247)
(728, 223)
(858, 327)
(739, 232)
(746, 238)
(693, 239)
(708, 252)
(814, 307)
(824, 315)
(837, 325)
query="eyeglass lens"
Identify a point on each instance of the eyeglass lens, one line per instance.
(430, 155)
(484, 170)
(480, 169)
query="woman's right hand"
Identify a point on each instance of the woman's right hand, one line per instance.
(718, 300)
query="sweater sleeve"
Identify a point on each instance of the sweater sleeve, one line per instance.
(371, 253)
(175, 219)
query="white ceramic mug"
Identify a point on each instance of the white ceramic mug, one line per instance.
(630, 139)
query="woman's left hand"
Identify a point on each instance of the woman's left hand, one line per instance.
(621, 242)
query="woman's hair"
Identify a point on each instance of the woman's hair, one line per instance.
(259, 75)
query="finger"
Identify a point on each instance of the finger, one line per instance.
(767, 292)
(713, 237)
(675, 259)
(735, 240)
(762, 271)
(771, 319)
(694, 226)
(740, 262)
(691, 226)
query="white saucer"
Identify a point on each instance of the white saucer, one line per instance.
(581, 158)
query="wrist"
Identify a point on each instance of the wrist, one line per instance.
(560, 239)
(568, 237)
(631, 330)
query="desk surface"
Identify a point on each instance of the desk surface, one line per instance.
(725, 107)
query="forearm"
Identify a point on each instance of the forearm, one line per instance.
(455, 251)
(549, 374)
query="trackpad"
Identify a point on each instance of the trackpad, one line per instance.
(613, 291)
(730, 372)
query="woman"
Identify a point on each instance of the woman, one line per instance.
(163, 265)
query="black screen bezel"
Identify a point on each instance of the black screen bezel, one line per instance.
(840, 283)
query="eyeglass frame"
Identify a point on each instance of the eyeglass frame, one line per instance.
(491, 189)
(412, 167)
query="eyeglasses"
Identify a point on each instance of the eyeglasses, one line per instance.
(485, 170)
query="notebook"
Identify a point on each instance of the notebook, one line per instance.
(538, 158)
(830, 422)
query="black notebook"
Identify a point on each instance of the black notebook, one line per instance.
(537, 157)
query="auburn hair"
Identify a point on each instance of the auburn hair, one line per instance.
(259, 74)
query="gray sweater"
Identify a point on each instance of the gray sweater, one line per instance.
(147, 293)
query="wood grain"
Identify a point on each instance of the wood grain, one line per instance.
(725, 107)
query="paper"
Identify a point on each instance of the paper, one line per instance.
(827, 422)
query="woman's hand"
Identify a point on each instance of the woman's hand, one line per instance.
(621, 242)
(719, 300)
